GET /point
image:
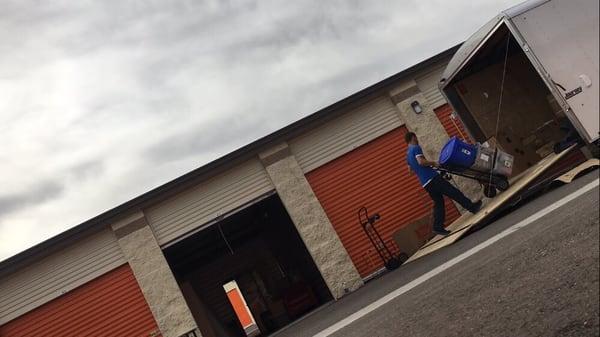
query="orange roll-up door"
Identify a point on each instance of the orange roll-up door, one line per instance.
(374, 175)
(453, 126)
(110, 305)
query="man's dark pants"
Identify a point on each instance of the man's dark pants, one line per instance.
(437, 188)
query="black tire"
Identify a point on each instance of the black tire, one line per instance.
(402, 257)
(502, 183)
(392, 264)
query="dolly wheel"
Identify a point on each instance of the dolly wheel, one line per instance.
(502, 184)
(489, 190)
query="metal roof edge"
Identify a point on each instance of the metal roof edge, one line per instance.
(96, 223)
(523, 7)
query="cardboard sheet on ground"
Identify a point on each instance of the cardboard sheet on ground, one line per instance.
(573, 173)
(462, 225)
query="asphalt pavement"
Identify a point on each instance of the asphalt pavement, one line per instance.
(541, 280)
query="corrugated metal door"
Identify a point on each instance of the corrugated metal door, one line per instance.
(110, 305)
(374, 175)
(65, 270)
(208, 200)
(452, 125)
(345, 133)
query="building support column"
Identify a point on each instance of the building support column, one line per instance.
(154, 277)
(310, 220)
(429, 129)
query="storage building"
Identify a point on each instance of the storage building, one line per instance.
(250, 242)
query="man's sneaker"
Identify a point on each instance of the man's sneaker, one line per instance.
(477, 206)
(441, 231)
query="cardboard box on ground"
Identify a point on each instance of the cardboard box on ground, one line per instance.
(413, 236)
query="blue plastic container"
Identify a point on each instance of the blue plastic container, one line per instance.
(458, 154)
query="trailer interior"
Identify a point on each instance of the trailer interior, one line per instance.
(258, 253)
(528, 123)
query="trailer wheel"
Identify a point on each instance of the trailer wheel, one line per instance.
(392, 264)
(489, 190)
(402, 257)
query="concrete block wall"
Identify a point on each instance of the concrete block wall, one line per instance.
(154, 276)
(310, 220)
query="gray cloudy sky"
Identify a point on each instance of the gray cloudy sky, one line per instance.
(101, 101)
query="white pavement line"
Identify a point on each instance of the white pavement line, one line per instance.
(389, 297)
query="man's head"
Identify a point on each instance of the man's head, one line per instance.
(411, 138)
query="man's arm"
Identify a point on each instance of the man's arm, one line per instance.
(424, 162)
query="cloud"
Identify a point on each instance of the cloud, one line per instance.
(34, 196)
(87, 170)
(102, 101)
(203, 138)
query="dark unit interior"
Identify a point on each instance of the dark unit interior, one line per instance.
(260, 249)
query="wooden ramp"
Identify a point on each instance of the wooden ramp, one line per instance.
(462, 225)
(578, 170)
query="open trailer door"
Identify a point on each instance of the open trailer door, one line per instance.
(556, 44)
(503, 95)
(562, 36)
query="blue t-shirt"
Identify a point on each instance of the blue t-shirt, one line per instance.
(425, 173)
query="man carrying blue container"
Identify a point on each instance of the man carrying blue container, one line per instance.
(435, 184)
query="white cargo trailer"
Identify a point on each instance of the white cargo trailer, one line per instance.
(528, 79)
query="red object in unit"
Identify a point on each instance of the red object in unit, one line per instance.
(110, 305)
(376, 176)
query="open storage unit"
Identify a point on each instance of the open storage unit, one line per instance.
(249, 274)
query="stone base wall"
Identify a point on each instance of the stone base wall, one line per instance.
(154, 277)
